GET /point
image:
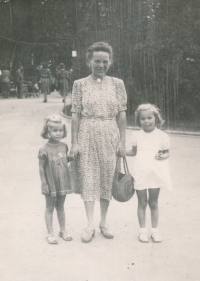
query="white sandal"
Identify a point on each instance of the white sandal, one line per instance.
(156, 237)
(65, 236)
(51, 239)
(143, 237)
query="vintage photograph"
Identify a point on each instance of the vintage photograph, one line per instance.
(100, 140)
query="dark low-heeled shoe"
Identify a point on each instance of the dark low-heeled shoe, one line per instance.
(106, 232)
(87, 235)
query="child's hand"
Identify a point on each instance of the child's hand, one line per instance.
(159, 155)
(162, 155)
(69, 159)
(45, 188)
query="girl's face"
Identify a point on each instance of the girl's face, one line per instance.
(99, 64)
(147, 120)
(56, 133)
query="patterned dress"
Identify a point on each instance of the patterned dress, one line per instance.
(98, 136)
(56, 169)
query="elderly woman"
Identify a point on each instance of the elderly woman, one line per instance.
(98, 134)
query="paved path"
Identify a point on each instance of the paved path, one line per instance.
(26, 256)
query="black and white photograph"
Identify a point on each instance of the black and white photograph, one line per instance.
(100, 140)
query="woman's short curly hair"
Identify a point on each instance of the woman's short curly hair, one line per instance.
(151, 107)
(99, 47)
(50, 121)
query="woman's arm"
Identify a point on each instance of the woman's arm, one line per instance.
(121, 122)
(45, 187)
(74, 134)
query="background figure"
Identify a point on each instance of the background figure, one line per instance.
(19, 81)
(45, 80)
(62, 80)
(6, 77)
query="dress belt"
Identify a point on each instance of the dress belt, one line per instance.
(98, 117)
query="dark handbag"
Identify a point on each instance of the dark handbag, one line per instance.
(123, 186)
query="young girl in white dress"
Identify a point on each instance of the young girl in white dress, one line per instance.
(150, 171)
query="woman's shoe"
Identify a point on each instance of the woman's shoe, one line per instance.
(44, 100)
(106, 231)
(65, 236)
(87, 235)
(143, 237)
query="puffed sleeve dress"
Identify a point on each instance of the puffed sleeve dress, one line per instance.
(98, 135)
(146, 170)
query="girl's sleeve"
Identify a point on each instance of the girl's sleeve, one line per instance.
(121, 95)
(165, 142)
(134, 139)
(76, 97)
(42, 155)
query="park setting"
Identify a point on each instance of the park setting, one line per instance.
(149, 51)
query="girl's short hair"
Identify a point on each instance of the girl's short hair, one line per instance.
(99, 47)
(50, 121)
(151, 107)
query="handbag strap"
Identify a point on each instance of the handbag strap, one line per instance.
(126, 170)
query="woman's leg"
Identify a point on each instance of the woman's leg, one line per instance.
(153, 204)
(61, 212)
(50, 202)
(89, 208)
(104, 204)
(142, 205)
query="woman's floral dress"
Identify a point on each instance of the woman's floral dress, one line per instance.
(98, 135)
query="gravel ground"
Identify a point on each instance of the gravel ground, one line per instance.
(26, 256)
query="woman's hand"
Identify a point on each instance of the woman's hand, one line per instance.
(75, 149)
(121, 149)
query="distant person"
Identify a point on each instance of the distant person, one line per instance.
(54, 174)
(150, 171)
(62, 80)
(19, 81)
(45, 80)
(5, 79)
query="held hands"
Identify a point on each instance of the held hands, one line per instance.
(121, 149)
(74, 150)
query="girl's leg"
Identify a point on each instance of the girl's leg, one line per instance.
(142, 205)
(61, 212)
(89, 208)
(153, 204)
(50, 202)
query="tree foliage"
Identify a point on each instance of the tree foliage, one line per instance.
(156, 46)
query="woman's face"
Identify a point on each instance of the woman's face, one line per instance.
(99, 64)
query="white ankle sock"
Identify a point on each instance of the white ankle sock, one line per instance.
(154, 230)
(142, 230)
